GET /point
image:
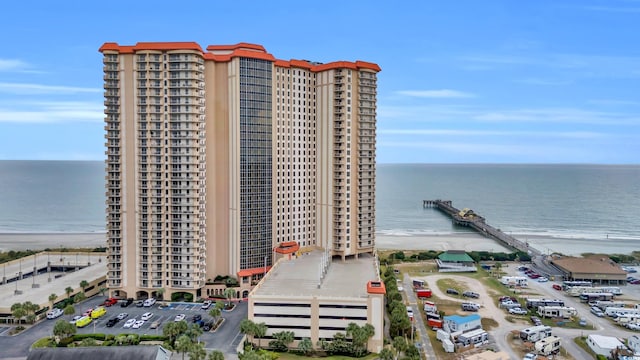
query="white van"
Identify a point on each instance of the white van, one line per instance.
(149, 302)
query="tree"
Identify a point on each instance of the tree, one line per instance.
(359, 337)
(69, 310)
(498, 267)
(30, 309)
(183, 344)
(248, 328)
(88, 342)
(79, 297)
(216, 311)
(197, 352)
(386, 354)
(63, 329)
(228, 294)
(68, 290)
(282, 341)
(83, 285)
(160, 293)
(260, 331)
(194, 332)
(400, 344)
(173, 330)
(305, 346)
(52, 298)
(103, 290)
(216, 355)
(18, 311)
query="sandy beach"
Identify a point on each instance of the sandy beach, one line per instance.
(438, 242)
(40, 241)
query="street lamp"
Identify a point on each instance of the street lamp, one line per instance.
(17, 277)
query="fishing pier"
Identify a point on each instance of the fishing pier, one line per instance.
(467, 217)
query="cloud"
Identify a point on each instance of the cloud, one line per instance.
(12, 65)
(439, 94)
(540, 81)
(615, 9)
(52, 112)
(559, 115)
(504, 133)
(33, 89)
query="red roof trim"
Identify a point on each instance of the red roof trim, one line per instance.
(287, 247)
(251, 272)
(237, 46)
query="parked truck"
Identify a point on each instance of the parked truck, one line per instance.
(424, 293)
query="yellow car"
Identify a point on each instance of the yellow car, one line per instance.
(83, 321)
(98, 312)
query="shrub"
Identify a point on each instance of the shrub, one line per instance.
(65, 342)
(79, 337)
(43, 343)
(107, 343)
(146, 337)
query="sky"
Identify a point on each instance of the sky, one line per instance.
(494, 81)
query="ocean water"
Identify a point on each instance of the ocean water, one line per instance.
(598, 202)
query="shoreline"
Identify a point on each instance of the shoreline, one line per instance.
(439, 242)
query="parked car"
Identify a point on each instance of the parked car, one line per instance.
(452, 291)
(542, 279)
(536, 320)
(471, 294)
(596, 311)
(138, 324)
(122, 316)
(207, 326)
(110, 302)
(83, 321)
(140, 303)
(154, 325)
(470, 307)
(98, 312)
(582, 322)
(146, 316)
(54, 313)
(112, 322)
(206, 304)
(556, 286)
(129, 323)
(87, 312)
(179, 317)
(530, 356)
(518, 311)
(126, 302)
(74, 319)
(196, 317)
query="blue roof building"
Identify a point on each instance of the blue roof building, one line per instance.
(454, 323)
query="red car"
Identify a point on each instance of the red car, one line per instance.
(556, 286)
(110, 302)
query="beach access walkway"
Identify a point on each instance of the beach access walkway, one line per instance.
(467, 217)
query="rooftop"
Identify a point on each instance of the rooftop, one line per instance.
(300, 277)
(91, 266)
(460, 319)
(97, 352)
(455, 256)
(588, 265)
(606, 342)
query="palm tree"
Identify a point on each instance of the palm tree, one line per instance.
(18, 311)
(160, 294)
(63, 329)
(84, 284)
(216, 355)
(305, 345)
(183, 344)
(197, 352)
(228, 294)
(30, 309)
(386, 354)
(215, 312)
(260, 331)
(248, 328)
(52, 298)
(194, 332)
(68, 290)
(69, 310)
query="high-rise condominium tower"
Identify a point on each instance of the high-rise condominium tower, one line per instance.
(218, 161)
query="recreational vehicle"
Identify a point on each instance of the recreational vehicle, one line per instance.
(513, 281)
(535, 333)
(564, 312)
(534, 303)
(617, 311)
(548, 346)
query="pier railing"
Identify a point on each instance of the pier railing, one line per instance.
(469, 218)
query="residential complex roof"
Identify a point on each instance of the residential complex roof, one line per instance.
(588, 265)
(455, 256)
(460, 319)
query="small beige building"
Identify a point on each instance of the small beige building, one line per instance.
(599, 270)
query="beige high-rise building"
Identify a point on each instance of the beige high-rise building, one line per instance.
(218, 161)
